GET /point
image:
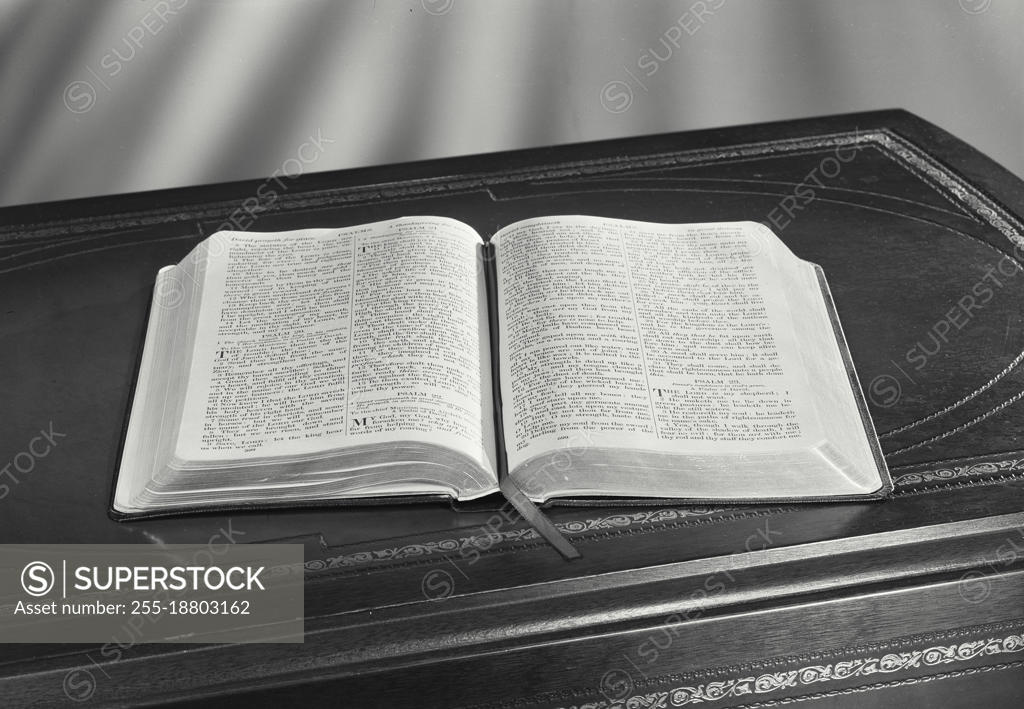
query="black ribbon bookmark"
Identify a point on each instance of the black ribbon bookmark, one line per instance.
(537, 519)
(522, 504)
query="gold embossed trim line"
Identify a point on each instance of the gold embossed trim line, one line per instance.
(485, 539)
(959, 473)
(813, 676)
(922, 478)
(945, 181)
(940, 176)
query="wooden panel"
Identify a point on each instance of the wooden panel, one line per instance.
(456, 605)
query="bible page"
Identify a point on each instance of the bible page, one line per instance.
(652, 337)
(321, 339)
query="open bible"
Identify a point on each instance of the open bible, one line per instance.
(584, 358)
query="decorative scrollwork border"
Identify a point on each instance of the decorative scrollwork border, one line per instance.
(816, 674)
(960, 472)
(481, 539)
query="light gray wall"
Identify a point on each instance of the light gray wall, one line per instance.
(101, 97)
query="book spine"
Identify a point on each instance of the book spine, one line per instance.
(491, 282)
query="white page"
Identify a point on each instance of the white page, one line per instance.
(319, 339)
(669, 338)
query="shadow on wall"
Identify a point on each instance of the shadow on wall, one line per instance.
(124, 95)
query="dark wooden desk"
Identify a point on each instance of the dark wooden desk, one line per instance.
(915, 600)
